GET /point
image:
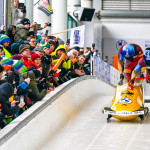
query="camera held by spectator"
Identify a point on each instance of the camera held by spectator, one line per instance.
(9, 77)
(49, 24)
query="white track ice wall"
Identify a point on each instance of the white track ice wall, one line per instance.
(28, 131)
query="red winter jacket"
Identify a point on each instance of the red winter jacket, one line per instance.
(26, 62)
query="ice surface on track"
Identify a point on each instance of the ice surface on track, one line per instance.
(87, 129)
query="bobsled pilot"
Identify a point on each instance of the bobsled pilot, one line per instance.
(128, 57)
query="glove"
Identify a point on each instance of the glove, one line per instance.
(52, 72)
(121, 76)
(131, 81)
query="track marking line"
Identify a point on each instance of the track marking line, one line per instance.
(97, 135)
(133, 137)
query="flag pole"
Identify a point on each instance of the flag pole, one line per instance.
(60, 32)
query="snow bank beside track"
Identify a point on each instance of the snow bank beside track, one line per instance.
(32, 128)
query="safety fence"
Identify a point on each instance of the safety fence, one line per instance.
(105, 71)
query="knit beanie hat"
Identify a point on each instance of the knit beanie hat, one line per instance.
(17, 57)
(4, 38)
(17, 64)
(34, 56)
(52, 42)
(25, 21)
(23, 47)
(44, 44)
(36, 73)
(7, 61)
(31, 33)
(38, 49)
(33, 52)
(1, 68)
(15, 48)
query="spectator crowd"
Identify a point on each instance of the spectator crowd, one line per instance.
(32, 64)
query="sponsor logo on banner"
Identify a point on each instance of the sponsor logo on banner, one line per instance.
(147, 44)
(120, 43)
(77, 36)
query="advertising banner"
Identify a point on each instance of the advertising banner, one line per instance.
(105, 71)
(77, 36)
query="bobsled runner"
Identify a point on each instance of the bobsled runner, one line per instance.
(127, 103)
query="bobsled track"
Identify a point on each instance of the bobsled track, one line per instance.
(70, 118)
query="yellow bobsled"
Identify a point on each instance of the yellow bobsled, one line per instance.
(127, 103)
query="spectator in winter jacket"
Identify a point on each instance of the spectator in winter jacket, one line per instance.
(6, 91)
(44, 45)
(11, 30)
(39, 51)
(46, 59)
(77, 68)
(19, 13)
(66, 63)
(24, 50)
(35, 61)
(15, 48)
(22, 31)
(18, 65)
(52, 45)
(32, 41)
(5, 41)
(20, 57)
(33, 92)
(72, 54)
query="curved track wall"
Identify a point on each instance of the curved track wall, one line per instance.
(32, 128)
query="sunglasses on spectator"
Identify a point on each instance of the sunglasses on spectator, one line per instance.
(33, 41)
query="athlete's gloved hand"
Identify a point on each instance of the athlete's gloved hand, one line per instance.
(121, 76)
(131, 81)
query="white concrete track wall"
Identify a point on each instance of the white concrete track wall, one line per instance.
(32, 128)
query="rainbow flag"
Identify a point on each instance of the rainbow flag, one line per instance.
(44, 6)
